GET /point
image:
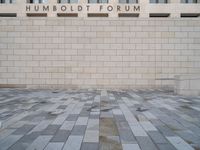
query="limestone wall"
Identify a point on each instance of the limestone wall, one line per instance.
(188, 85)
(97, 52)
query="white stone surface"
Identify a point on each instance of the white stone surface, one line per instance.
(188, 85)
(98, 52)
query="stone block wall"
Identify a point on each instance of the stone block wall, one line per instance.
(188, 85)
(97, 52)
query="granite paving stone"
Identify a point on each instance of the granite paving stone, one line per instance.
(96, 119)
(50, 130)
(91, 136)
(54, 146)
(166, 147)
(78, 130)
(126, 136)
(157, 137)
(73, 143)
(72, 117)
(148, 126)
(146, 143)
(40, 143)
(61, 136)
(9, 141)
(82, 121)
(131, 147)
(67, 125)
(90, 146)
(179, 143)
(109, 143)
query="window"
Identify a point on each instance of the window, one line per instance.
(128, 1)
(158, 1)
(67, 1)
(97, 1)
(190, 1)
(8, 15)
(190, 15)
(37, 1)
(7, 1)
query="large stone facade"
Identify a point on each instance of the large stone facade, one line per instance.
(97, 52)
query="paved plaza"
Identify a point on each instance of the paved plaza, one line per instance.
(98, 119)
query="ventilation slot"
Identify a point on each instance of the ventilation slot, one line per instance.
(36, 14)
(190, 15)
(8, 15)
(128, 15)
(159, 15)
(97, 15)
(67, 15)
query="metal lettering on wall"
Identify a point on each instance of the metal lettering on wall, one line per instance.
(71, 8)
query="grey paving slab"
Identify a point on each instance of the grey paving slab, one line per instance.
(108, 127)
(67, 125)
(62, 107)
(179, 143)
(131, 147)
(61, 136)
(94, 116)
(93, 124)
(29, 138)
(122, 125)
(164, 121)
(138, 130)
(79, 130)
(6, 132)
(41, 126)
(91, 136)
(40, 143)
(73, 143)
(148, 126)
(9, 141)
(82, 121)
(157, 137)
(19, 146)
(50, 130)
(54, 146)
(119, 118)
(189, 136)
(89, 146)
(126, 136)
(72, 117)
(166, 147)
(109, 143)
(24, 129)
(146, 143)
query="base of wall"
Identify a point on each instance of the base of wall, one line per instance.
(13, 86)
(188, 85)
(63, 87)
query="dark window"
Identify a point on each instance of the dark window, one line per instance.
(97, 1)
(158, 1)
(128, 1)
(188, 1)
(67, 1)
